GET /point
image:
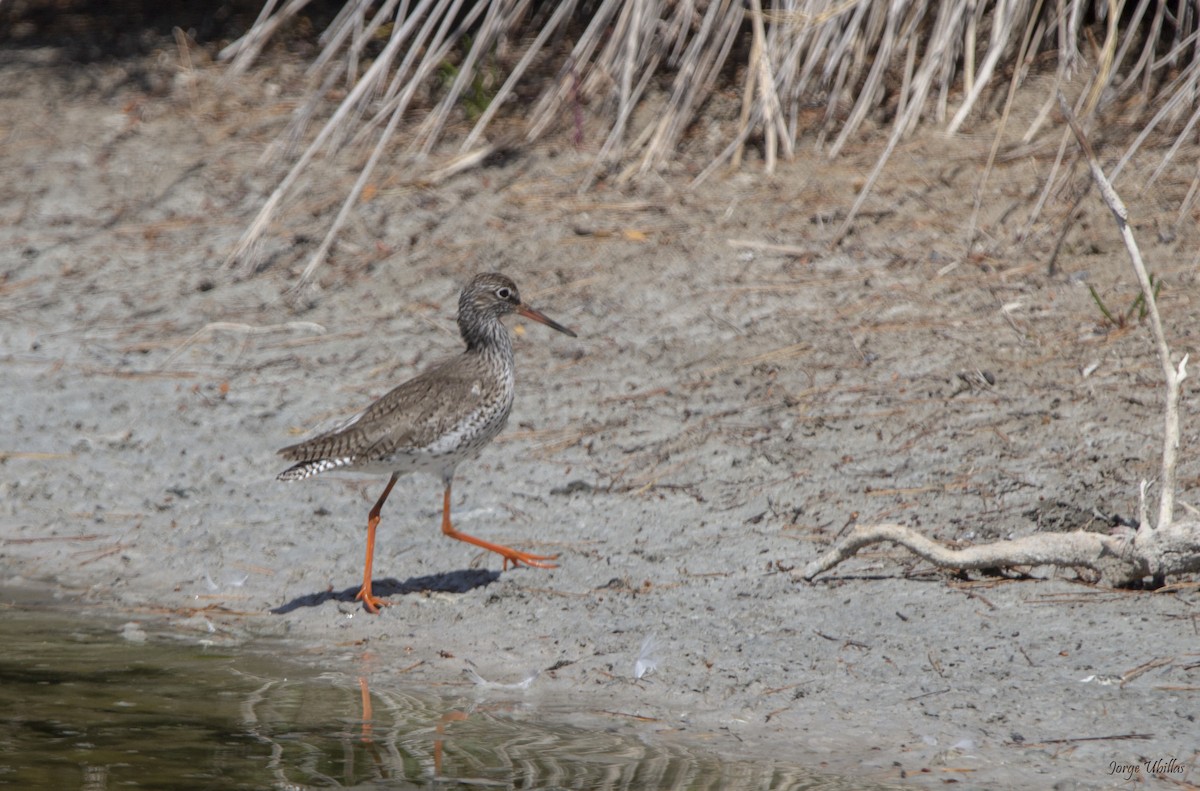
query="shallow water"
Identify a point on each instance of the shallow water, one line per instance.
(89, 704)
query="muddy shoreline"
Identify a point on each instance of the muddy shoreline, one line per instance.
(737, 396)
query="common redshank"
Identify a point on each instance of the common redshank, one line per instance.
(435, 421)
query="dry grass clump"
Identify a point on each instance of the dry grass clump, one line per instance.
(813, 69)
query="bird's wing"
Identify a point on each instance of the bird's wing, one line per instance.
(412, 415)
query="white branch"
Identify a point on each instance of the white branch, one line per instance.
(1108, 555)
(1173, 377)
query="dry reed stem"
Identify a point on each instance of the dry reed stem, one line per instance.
(1145, 667)
(1172, 375)
(244, 329)
(440, 46)
(1022, 56)
(782, 353)
(867, 57)
(459, 164)
(769, 247)
(560, 14)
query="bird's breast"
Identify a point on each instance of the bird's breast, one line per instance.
(475, 428)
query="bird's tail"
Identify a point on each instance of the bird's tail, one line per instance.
(307, 469)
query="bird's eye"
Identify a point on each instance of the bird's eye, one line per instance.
(504, 293)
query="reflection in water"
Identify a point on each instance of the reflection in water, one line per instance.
(412, 737)
(83, 708)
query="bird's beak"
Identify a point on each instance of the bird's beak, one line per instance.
(542, 318)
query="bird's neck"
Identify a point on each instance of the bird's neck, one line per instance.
(486, 338)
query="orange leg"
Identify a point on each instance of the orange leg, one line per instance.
(450, 716)
(510, 555)
(365, 692)
(373, 603)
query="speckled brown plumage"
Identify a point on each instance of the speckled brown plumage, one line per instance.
(404, 430)
(436, 420)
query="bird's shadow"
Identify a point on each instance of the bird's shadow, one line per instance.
(450, 582)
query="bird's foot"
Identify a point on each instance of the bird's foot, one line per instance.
(370, 602)
(517, 557)
(514, 556)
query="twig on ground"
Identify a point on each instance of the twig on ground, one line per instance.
(232, 326)
(1072, 740)
(1145, 667)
